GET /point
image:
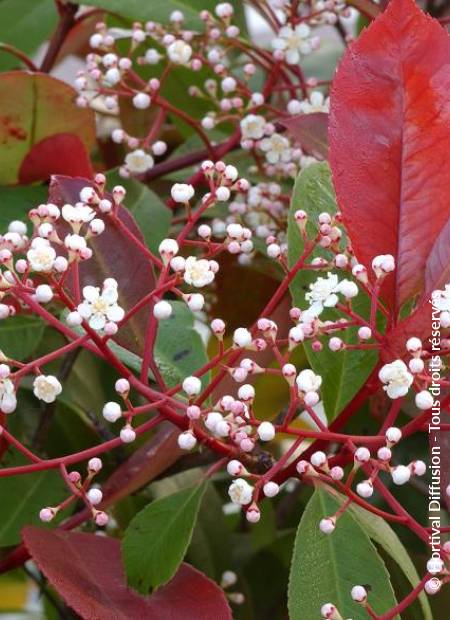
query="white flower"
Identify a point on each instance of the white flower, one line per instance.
(142, 101)
(198, 272)
(397, 379)
(323, 294)
(224, 10)
(308, 381)
(315, 103)
(400, 474)
(276, 148)
(294, 42)
(240, 492)
(98, 308)
(359, 594)
(168, 248)
(152, 56)
(383, 264)
(192, 386)
(252, 127)
(348, 288)
(8, 401)
(266, 431)
(41, 255)
(75, 243)
(138, 161)
(242, 337)
(181, 192)
(46, 388)
(179, 52)
(78, 214)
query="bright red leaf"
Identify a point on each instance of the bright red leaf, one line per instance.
(114, 256)
(389, 142)
(86, 570)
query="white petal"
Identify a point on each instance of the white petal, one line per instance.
(115, 313)
(97, 321)
(91, 293)
(84, 310)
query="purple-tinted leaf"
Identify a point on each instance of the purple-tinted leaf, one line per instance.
(311, 131)
(149, 461)
(114, 256)
(86, 570)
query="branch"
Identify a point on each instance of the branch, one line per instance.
(67, 13)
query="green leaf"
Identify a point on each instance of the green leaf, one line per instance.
(313, 192)
(25, 24)
(325, 567)
(210, 547)
(381, 532)
(179, 350)
(15, 202)
(33, 107)
(23, 497)
(20, 335)
(344, 372)
(157, 10)
(150, 213)
(156, 540)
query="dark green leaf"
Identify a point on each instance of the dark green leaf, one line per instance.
(179, 350)
(25, 24)
(326, 567)
(23, 497)
(156, 540)
(15, 202)
(381, 532)
(20, 335)
(344, 372)
(157, 10)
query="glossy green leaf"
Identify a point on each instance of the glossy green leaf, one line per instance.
(15, 202)
(210, 547)
(344, 372)
(381, 532)
(179, 350)
(150, 213)
(157, 10)
(156, 540)
(23, 497)
(326, 567)
(25, 24)
(20, 335)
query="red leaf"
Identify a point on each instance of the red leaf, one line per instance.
(389, 142)
(437, 273)
(149, 461)
(87, 572)
(418, 324)
(63, 153)
(311, 131)
(114, 256)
